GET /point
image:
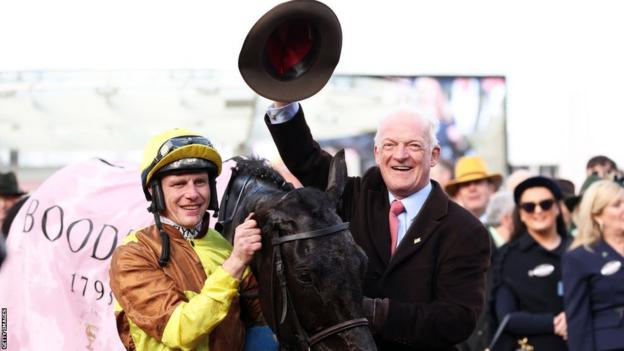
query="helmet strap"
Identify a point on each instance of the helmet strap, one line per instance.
(158, 198)
(164, 237)
(157, 206)
(214, 203)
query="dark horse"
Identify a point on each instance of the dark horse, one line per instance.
(309, 269)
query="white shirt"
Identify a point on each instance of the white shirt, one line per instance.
(283, 114)
(412, 204)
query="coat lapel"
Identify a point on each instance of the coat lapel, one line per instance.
(423, 227)
(378, 220)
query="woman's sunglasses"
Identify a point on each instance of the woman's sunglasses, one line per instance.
(545, 205)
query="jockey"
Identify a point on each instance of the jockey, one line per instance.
(177, 282)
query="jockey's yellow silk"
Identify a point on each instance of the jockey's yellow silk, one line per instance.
(191, 322)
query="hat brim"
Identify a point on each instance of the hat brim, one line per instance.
(571, 202)
(452, 186)
(251, 61)
(12, 193)
(537, 182)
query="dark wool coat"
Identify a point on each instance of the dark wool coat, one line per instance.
(435, 281)
(593, 285)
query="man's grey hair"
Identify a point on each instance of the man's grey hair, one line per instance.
(431, 124)
(501, 203)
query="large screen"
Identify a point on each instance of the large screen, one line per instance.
(471, 112)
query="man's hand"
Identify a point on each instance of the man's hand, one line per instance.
(376, 311)
(561, 326)
(279, 104)
(247, 241)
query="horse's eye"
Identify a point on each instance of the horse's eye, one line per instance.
(304, 276)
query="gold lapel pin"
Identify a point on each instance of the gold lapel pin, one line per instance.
(416, 241)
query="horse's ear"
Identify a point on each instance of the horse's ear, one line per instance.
(337, 177)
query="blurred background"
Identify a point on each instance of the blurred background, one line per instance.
(528, 84)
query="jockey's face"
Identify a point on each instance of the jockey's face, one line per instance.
(187, 197)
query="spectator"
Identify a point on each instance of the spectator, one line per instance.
(499, 217)
(527, 293)
(572, 202)
(499, 221)
(602, 166)
(593, 277)
(473, 185)
(10, 215)
(10, 193)
(442, 172)
(567, 190)
(516, 177)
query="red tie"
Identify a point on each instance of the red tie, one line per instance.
(395, 209)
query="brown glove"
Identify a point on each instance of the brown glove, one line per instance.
(376, 311)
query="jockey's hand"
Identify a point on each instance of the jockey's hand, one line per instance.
(247, 241)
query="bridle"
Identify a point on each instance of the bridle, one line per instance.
(305, 342)
(221, 220)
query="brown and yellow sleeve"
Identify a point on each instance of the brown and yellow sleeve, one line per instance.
(251, 311)
(146, 294)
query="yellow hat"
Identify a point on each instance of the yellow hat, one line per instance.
(469, 169)
(177, 149)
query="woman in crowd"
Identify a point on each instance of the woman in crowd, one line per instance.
(527, 295)
(593, 276)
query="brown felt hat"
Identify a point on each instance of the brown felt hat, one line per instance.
(291, 51)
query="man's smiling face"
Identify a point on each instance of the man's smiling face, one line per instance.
(187, 197)
(404, 153)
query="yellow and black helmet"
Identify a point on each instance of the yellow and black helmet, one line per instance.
(178, 150)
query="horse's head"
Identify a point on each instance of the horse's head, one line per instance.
(251, 179)
(310, 270)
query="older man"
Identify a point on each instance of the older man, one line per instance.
(473, 185)
(427, 255)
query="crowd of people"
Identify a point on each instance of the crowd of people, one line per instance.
(472, 262)
(554, 252)
(458, 259)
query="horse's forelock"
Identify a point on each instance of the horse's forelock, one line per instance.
(260, 168)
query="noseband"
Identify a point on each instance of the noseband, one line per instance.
(306, 342)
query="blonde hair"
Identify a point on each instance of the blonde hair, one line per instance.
(598, 196)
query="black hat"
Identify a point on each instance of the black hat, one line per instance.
(8, 185)
(534, 182)
(573, 201)
(291, 51)
(566, 186)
